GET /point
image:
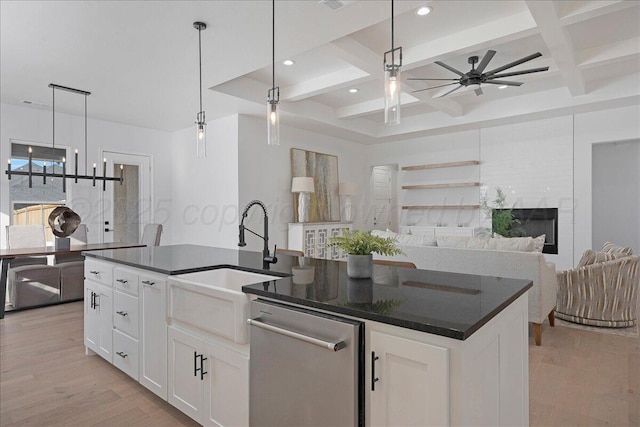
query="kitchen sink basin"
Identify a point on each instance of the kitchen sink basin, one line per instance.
(213, 301)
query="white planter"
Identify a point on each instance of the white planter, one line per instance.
(359, 266)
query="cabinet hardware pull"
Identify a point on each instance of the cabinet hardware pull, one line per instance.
(122, 313)
(95, 300)
(121, 281)
(92, 300)
(94, 272)
(121, 354)
(374, 379)
(331, 346)
(202, 371)
(148, 282)
(195, 363)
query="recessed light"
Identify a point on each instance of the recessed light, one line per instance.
(502, 87)
(353, 90)
(424, 10)
(288, 62)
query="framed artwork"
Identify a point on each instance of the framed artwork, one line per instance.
(324, 204)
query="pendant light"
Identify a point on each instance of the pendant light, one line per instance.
(201, 124)
(273, 96)
(392, 87)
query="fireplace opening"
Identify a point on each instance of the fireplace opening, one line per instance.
(539, 221)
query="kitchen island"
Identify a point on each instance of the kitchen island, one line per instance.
(451, 349)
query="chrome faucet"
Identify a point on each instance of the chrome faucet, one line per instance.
(267, 259)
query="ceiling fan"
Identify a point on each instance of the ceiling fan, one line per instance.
(477, 76)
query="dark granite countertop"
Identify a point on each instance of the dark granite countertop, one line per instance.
(447, 304)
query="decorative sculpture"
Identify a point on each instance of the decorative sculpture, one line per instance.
(63, 222)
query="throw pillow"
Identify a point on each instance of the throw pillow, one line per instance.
(481, 243)
(615, 249)
(590, 257)
(516, 244)
(538, 243)
(452, 241)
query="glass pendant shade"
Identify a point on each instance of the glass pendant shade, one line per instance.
(273, 123)
(201, 140)
(392, 92)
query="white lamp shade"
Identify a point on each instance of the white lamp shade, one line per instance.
(347, 189)
(302, 184)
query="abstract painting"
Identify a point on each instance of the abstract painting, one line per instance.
(324, 204)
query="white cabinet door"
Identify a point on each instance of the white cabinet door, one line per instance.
(226, 393)
(412, 387)
(91, 316)
(153, 334)
(186, 381)
(104, 300)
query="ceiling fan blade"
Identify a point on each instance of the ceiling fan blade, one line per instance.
(452, 90)
(513, 64)
(418, 78)
(478, 91)
(434, 87)
(485, 61)
(517, 73)
(453, 70)
(504, 82)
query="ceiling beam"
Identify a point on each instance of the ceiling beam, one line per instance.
(613, 52)
(323, 84)
(371, 106)
(594, 9)
(559, 44)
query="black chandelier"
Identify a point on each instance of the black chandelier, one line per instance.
(75, 176)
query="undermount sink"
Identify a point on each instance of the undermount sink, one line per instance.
(213, 301)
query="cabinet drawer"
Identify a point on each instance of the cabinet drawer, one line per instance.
(125, 280)
(98, 271)
(125, 354)
(125, 313)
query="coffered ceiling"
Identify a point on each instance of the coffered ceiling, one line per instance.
(139, 60)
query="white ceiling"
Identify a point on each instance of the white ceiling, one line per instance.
(139, 60)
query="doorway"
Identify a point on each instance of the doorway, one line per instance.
(616, 194)
(126, 206)
(383, 191)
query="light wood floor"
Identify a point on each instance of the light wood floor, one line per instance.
(577, 378)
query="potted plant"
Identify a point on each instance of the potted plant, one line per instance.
(359, 246)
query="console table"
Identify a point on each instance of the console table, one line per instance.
(6, 255)
(312, 238)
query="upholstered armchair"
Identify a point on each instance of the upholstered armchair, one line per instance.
(600, 294)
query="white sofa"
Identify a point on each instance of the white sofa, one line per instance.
(514, 265)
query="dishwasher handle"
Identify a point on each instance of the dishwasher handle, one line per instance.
(332, 346)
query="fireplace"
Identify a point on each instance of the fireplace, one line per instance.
(539, 221)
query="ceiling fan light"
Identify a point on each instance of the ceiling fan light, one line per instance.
(424, 10)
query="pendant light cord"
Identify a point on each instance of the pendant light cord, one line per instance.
(200, 63)
(53, 125)
(393, 54)
(85, 134)
(273, 44)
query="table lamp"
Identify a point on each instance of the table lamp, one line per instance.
(347, 189)
(303, 185)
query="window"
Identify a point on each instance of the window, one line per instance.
(33, 205)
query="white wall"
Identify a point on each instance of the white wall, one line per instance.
(616, 182)
(265, 174)
(34, 125)
(546, 162)
(532, 163)
(620, 124)
(445, 148)
(204, 205)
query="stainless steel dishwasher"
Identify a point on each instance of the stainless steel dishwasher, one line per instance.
(306, 368)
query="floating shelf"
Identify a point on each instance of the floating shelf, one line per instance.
(449, 185)
(443, 207)
(441, 165)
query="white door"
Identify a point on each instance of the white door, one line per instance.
(126, 207)
(105, 330)
(91, 316)
(185, 379)
(226, 394)
(153, 334)
(382, 194)
(412, 387)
